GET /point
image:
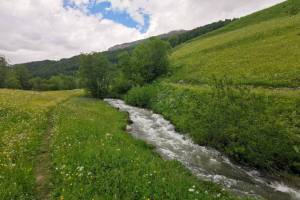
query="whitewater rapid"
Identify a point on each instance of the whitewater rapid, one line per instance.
(205, 163)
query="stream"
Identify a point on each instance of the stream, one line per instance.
(205, 163)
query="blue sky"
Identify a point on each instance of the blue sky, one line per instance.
(105, 10)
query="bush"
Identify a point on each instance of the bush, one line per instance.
(141, 96)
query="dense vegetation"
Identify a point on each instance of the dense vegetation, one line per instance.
(178, 39)
(254, 127)
(143, 65)
(20, 77)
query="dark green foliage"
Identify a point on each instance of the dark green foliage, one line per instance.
(150, 59)
(3, 74)
(59, 82)
(46, 69)
(255, 128)
(186, 36)
(286, 8)
(38, 83)
(19, 77)
(23, 75)
(141, 97)
(120, 85)
(3, 71)
(293, 7)
(11, 80)
(96, 73)
(143, 65)
(147, 62)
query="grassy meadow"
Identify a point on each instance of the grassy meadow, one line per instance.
(265, 53)
(89, 155)
(23, 120)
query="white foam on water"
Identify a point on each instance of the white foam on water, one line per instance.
(206, 163)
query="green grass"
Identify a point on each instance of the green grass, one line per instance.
(261, 50)
(23, 119)
(90, 154)
(285, 9)
(253, 116)
(94, 158)
(256, 127)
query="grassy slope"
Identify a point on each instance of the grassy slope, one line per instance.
(94, 158)
(256, 126)
(260, 49)
(23, 119)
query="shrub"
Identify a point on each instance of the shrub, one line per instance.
(141, 96)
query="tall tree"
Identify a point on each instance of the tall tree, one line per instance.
(23, 75)
(3, 71)
(148, 61)
(95, 72)
(11, 80)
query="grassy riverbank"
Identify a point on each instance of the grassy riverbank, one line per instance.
(256, 127)
(94, 158)
(55, 145)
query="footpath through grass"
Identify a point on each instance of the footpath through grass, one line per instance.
(23, 121)
(94, 158)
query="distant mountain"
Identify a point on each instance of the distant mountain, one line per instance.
(130, 44)
(69, 66)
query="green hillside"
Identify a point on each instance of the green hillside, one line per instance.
(235, 89)
(261, 49)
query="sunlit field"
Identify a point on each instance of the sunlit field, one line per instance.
(251, 53)
(23, 121)
(94, 158)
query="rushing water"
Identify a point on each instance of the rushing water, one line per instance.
(207, 164)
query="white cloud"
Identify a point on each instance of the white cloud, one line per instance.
(43, 29)
(168, 15)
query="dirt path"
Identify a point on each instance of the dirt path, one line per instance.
(42, 170)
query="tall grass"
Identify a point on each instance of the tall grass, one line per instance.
(23, 119)
(253, 127)
(260, 54)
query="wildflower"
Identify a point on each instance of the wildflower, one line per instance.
(191, 189)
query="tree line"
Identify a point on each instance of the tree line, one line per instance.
(141, 66)
(20, 77)
(110, 73)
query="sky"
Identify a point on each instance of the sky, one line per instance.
(32, 30)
